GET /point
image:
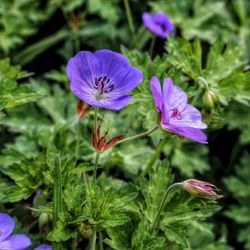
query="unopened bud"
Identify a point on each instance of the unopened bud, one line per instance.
(86, 230)
(209, 99)
(201, 189)
(43, 220)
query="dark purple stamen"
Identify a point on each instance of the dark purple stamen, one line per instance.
(175, 113)
(103, 84)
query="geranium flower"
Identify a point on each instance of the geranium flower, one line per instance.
(159, 24)
(201, 189)
(14, 241)
(43, 247)
(103, 79)
(176, 115)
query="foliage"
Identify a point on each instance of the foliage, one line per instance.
(238, 186)
(208, 57)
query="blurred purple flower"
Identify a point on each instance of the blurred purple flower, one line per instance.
(14, 241)
(43, 247)
(159, 24)
(176, 115)
(103, 79)
(201, 189)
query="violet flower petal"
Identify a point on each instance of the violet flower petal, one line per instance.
(7, 225)
(127, 84)
(116, 104)
(43, 247)
(190, 117)
(193, 134)
(164, 19)
(155, 87)
(173, 96)
(112, 64)
(16, 242)
(81, 70)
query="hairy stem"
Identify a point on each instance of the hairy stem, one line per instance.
(100, 240)
(162, 204)
(93, 240)
(57, 197)
(97, 156)
(138, 136)
(95, 119)
(129, 16)
(155, 156)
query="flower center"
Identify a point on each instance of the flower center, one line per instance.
(175, 113)
(103, 84)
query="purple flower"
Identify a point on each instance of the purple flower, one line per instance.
(43, 247)
(176, 115)
(103, 79)
(14, 241)
(159, 24)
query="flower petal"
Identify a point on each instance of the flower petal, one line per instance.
(112, 64)
(193, 134)
(173, 96)
(81, 71)
(190, 117)
(165, 21)
(125, 85)
(155, 87)
(43, 247)
(115, 104)
(7, 225)
(16, 242)
(150, 24)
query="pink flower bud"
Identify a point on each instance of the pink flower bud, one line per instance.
(201, 189)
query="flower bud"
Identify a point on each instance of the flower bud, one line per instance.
(209, 99)
(82, 109)
(201, 189)
(86, 230)
(43, 220)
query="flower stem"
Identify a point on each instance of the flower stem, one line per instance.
(97, 156)
(155, 156)
(95, 119)
(152, 45)
(129, 16)
(93, 240)
(100, 240)
(162, 204)
(138, 136)
(57, 197)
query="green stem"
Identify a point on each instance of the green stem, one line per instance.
(77, 138)
(97, 156)
(95, 119)
(93, 240)
(77, 41)
(73, 245)
(155, 156)
(138, 136)
(100, 240)
(161, 207)
(57, 197)
(129, 16)
(152, 45)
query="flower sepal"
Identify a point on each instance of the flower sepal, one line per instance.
(100, 143)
